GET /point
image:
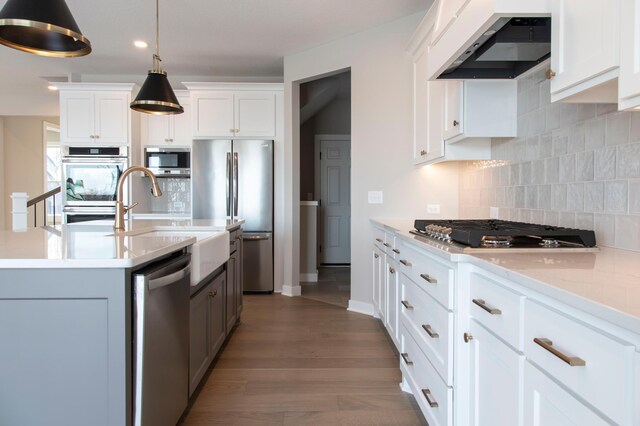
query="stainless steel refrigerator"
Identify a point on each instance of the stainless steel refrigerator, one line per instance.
(234, 179)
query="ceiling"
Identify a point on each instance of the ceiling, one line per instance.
(206, 38)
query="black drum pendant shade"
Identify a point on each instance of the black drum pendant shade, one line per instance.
(156, 95)
(42, 27)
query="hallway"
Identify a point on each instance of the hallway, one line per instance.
(296, 361)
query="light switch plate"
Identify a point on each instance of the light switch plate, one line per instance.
(433, 208)
(375, 197)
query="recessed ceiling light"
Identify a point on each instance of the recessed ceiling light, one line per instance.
(140, 44)
(52, 87)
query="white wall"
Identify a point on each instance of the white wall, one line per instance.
(381, 111)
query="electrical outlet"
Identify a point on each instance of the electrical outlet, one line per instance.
(494, 213)
(433, 208)
(374, 197)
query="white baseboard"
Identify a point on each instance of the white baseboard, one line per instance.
(309, 278)
(404, 386)
(361, 307)
(291, 290)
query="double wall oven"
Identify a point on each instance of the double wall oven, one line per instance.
(90, 178)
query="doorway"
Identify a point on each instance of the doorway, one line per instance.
(325, 188)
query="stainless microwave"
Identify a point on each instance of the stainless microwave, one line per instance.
(168, 161)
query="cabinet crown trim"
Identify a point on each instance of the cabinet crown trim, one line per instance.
(233, 86)
(126, 87)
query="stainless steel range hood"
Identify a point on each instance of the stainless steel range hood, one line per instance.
(508, 48)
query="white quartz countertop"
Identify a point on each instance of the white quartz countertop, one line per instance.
(95, 245)
(605, 283)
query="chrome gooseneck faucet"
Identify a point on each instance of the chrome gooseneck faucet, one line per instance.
(121, 210)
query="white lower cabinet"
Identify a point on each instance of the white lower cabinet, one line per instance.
(495, 376)
(548, 404)
(391, 319)
(378, 280)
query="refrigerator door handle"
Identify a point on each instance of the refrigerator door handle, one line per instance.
(235, 184)
(228, 183)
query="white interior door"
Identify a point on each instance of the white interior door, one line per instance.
(335, 201)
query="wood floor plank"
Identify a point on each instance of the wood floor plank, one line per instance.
(297, 361)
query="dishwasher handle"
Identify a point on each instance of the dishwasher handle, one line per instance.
(255, 237)
(160, 278)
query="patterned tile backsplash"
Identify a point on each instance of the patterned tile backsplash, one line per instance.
(176, 197)
(574, 165)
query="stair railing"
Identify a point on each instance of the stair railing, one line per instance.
(34, 202)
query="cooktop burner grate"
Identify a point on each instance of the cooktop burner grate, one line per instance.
(501, 233)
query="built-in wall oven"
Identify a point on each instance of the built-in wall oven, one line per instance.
(90, 178)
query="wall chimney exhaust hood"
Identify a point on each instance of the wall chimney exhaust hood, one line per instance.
(505, 50)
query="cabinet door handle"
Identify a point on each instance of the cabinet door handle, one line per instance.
(428, 278)
(392, 271)
(427, 395)
(379, 240)
(455, 123)
(467, 337)
(396, 251)
(407, 305)
(423, 152)
(482, 304)
(97, 136)
(386, 245)
(430, 331)
(376, 256)
(405, 262)
(213, 293)
(232, 130)
(550, 74)
(405, 357)
(92, 136)
(548, 345)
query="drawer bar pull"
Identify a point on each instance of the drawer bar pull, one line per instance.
(396, 251)
(407, 305)
(405, 357)
(427, 395)
(548, 345)
(405, 262)
(379, 240)
(428, 278)
(386, 245)
(482, 304)
(430, 331)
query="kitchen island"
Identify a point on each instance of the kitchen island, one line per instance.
(67, 316)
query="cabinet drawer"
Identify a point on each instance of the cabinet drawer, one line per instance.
(431, 275)
(433, 395)
(378, 238)
(498, 309)
(431, 325)
(602, 366)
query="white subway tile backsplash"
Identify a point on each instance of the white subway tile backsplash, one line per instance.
(618, 127)
(605, 164)
(567, 168)
(634, 196)
(627, 229)
(559, 197)
(594, 197)
(584, 166)
(574, 165)
(575, 197)
(628, 161)
(594, 134)
(552, 169)
(604, 226)
(615, 196)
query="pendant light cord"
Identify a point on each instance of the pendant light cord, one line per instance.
(158, 29)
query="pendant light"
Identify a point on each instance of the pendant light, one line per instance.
(42, 27)
(156, 95)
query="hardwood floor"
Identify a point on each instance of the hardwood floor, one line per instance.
(333, 286)
(295, 361)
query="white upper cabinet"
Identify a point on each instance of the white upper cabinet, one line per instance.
(233, 110)
(629, 84)
(480, 109)
(585, 50)
(168, 129)
(95, 114)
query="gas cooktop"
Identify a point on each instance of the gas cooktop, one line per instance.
(493, 233)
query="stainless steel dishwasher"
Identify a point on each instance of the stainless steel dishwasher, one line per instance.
(161, 342)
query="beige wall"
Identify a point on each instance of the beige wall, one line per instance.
(381, 147)
(22, 159)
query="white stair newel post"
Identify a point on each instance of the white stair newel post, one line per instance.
(19, 211)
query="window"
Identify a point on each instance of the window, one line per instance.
(52, 170)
